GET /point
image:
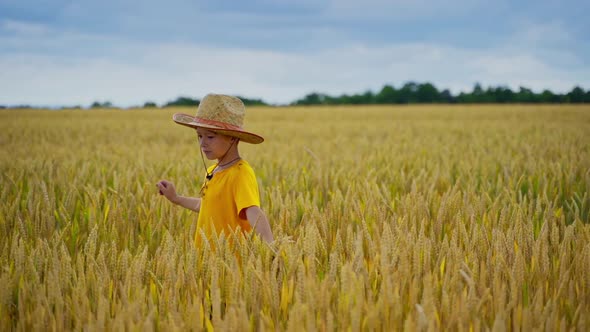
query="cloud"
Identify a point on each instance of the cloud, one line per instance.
(403, 10)
(43, 65)
(23, 28)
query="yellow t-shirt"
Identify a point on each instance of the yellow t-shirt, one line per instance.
(224, 199)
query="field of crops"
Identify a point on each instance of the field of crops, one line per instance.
(385, 218)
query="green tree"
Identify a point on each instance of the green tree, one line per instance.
(427, 93)
(183, 101)
(253, 102)
(447, 97)
(106, 104)
(577, 95)
(387, 95)
(367, 98)
(412, 92)
(501, 95)
(478, 94)
(408, 93)
(549, 97)
(525, 95)
(310, 99)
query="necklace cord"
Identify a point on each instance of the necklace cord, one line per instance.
(209, 176)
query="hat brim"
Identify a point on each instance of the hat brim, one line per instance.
(190, 121)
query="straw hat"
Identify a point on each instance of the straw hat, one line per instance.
(221, 114)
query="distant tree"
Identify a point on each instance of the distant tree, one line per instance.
(525, 95)
(549, 97)
(368, 97)
(75, 107)
(311, 99)
(343, 99)
(359, 99)
(412, 92)
(183, 101)
(427, 93)
(577, 95)
(500, 95)
(477, 96)
(408, 93)
(150, 104)
(106, 104)
(387, 95)
(253, 102)
(446, 96)
(464, 97)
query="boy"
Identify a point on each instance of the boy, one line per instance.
(229, 197)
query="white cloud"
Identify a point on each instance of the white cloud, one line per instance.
(546, 32)
(129, 73)
(400, 9)
(23, 28)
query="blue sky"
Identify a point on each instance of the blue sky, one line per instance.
(56, 52)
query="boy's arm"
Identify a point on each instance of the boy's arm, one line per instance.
(191, 203)
(259, 222)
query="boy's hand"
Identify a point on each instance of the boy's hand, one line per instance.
(167, 189)
(163, 185)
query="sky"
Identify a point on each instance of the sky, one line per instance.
(64, 53)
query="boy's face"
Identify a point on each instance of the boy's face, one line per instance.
(213, 145)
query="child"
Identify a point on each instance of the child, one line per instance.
(229, 197)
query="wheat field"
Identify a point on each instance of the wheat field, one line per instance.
(386, 218)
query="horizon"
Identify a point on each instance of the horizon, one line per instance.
(261, 102)
(249, 101)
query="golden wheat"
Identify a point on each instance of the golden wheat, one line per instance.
(386, 218)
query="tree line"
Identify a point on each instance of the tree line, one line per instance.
(178, 102)
(414, 93)
(409, 93)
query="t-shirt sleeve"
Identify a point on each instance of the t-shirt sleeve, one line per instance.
(246, 190)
